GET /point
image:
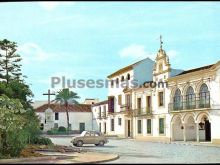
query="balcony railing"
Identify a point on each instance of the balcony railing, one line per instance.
(104, 115)
(190, 105)
(99, 116)
(143, 111)
(125, 108)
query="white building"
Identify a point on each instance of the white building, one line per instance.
(100, 112)
(80, 117)
(178, 106)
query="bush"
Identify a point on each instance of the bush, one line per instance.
(61, 129)
(41, 141)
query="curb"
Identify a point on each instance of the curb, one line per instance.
(22, 160)
(100, 161)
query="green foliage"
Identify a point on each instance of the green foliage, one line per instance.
(18, 121)
(62, 129)
(10, 66)
(18, 90)
(17, 126)
(64, 97)
(41, 141)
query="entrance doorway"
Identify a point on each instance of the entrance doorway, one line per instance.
(104, 128)
(81, 127)
(207, 130)
(129, 128)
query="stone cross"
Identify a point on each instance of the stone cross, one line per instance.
(48, 94)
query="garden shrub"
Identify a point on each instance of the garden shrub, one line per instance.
(41, 141)
(61, 129)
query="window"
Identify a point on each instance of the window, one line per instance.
(177, 100)
(148, 126)
(112, 83)
(128, 101)
(100, 127)
(161, 100)
(55, 125)
(56, 116)
(139, 127)
(117, 81)
(122, 78)
(204, 96)
(112, 125)
(190, 98)
(161, 125)
(119, 99)
(119, 121)
(128, 76)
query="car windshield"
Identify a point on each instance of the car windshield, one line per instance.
(83, 133)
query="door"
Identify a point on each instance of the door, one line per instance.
(81, 127)
(128, 101)
(207, 130)
(104, 128)
(129, 128)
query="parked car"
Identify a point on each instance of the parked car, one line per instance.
(89, 137)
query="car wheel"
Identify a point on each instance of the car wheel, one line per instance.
(101, 143)
(79, 143)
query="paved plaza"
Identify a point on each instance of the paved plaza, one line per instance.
(131, 151)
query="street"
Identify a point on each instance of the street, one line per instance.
(131, 151)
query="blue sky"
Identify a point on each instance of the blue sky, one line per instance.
(90, 40)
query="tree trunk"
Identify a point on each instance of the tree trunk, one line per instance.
(67, 116)
(4, 142)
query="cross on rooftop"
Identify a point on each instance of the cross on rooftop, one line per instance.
(49, 94)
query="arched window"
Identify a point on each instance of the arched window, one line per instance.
(117, 80)
(112, 83)
(122, 78)
(204, 96)
(190, 98)
(128, 76)
(177, 100)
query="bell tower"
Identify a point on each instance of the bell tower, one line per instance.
(162, 64)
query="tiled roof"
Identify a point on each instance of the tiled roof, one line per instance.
(196, 69)
(61, 108)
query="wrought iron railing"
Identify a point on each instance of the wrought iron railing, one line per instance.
(143, 111)
(190, 104)
(99, 116)
(104, 115)
(125, 108)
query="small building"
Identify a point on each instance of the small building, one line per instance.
(54, 116)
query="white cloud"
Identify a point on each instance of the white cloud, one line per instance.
(135, 51)
(51, 5)
(31, 52)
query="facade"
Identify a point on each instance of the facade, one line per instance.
(166, 105)
(54, 116)
(99, 119)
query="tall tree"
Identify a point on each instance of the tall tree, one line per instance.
(66, 97)
(9, 61)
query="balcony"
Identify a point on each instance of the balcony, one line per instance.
(99, 116)
(125, 108)
(104, 115)
(143, 112)
(190, 105)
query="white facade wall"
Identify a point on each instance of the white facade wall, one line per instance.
(74, 119)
